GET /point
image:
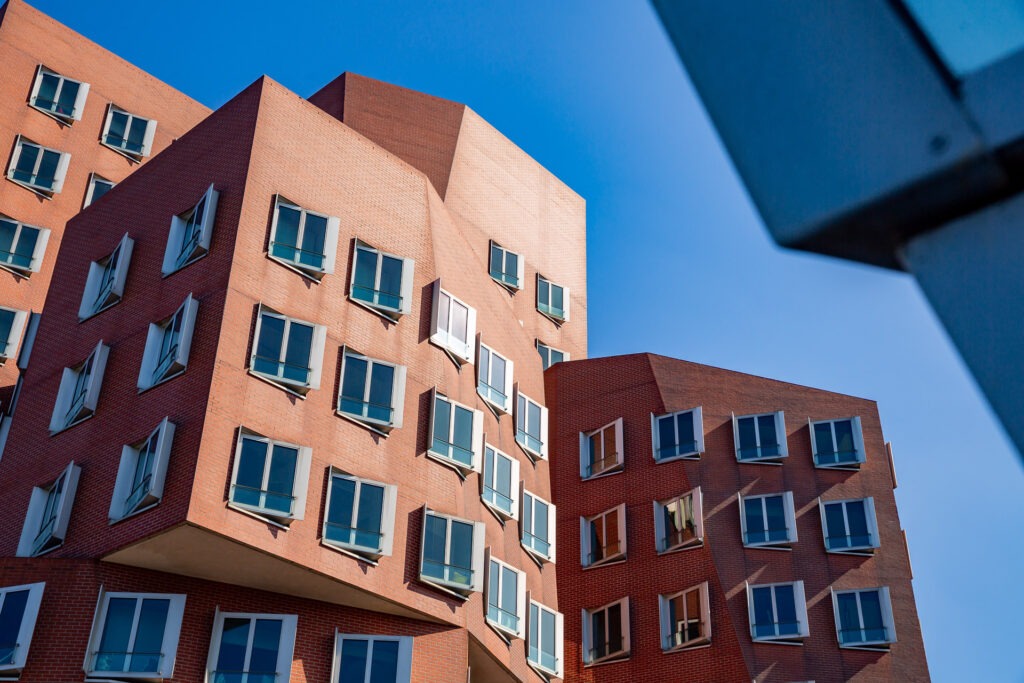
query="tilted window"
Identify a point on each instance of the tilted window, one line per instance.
(104, 286)
(380, 281)
(38, 168)
(678, 435)
(849, 525)
(58, 96)
(98, 186)
(191, 233)
(453, 325)
(302, 239)
(603, 537)
(48, 515)
(135, 635)
(19, 607)
(287, 351)
(128, 134)
(606, 632)
(760, 438)
(270, 478)
(12, 326)
(678, 522)
(864, 618)
(552, 300)
(500, 483)
(251, 648)
(79, 391)
(22, 246)
(506, 266)
(371, 659)
(140, 477)
(544, 639)
(549, 355)
(372, 391)
(685, 618)
(778, 612)
(168, 344)
(453, 553)
(494, 378)
(360, 515)
(538, 526)
(601, 451)
(456, 433)
(531, 426)
(768, 520)
(506, 597)
(837, 443)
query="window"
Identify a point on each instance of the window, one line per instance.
(98, 186)
(452, 325)
(287, 351)
(778, 612)
(601, 450)
(678, 522)
(500, 483)
(685, 618)
(251, 648)
(58, 96)
(506, 267)
(552, 300)
(603, 537)
(544, 635)
(506, 597)
(104, 286)
(837, 443)
(49, 511)
(140, 477)
(549, 355)
(168, 344)
(864, 618)
(849, 526)
(302, 239)
(38, 168)
(128, 134)
(606, 632)
(360, 515)
(270, 477)
(453, 553)
(19, 607)
(371, 659)
(189, 237)
(456, 433)
(538, 527)
(494, 378)
(79, 390)
(768, 521)
(531, 426)
(135, 635)
(12, 325)
(760, 438)
(380, 281)
(372, 391)
(21, 246)
(678, 435)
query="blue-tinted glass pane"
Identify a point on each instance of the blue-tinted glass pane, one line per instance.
(11, 614)
(24, 249)
(100, 188)
(871, 612)
(136, 135)
(300, 343)
(511, 268)
(384, 661)
(687, 440)
(764, 615)
(748, 437)
(116, 131)
(8, 230)
(281, 479)
(463, 436)
(849, 619)
(497, 262)
(24, 170)
(503, 476)
(249, 482)
(599, 634)
(823, 442)
(364, 284)
(856, 514)
(769, 440)
(775, 512)
(461, 552)
(785, 603)
(6, 323)
(754, 515)
(313, 240)
(668, 445)
(433, 547)
(368, 518)
(47, 96)
(509, 596)
(557, 305)
(533, 424)
(547, 644)
(353, 661)
(442, 425)
(533, 645)
(540, 523)
(353, 386)
(527, 513)
(286, 236)
(117, 631)
(149, 636)
(382, 382)
(231, 657)
(47, 169)
(836, 526)
(268, 346)
(66, 101)
(844, 438)
(266, 641)
(339, 510)
(390, 282)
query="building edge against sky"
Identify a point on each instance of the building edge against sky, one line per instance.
(375, 268)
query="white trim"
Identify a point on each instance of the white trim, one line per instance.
(28, 624)
(155, 370)
(161, 439)
(60, 514)
(100, 293)
(178, 254)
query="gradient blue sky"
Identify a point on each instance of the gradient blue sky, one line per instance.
(679, 262)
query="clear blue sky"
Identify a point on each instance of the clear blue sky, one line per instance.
(679, 262)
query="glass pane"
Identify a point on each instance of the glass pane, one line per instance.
(47, 172)
(849, 619)
(365, 281)
(753, 513)
(748, 437)
(785, 603)
(599, 634)
(614, 628)
(433, 547)
(764, 615)
(339, 510)
(775, 514)
(6, 323)
(149, 636)
(382, 383)
(117, 631)
(557, 306)
(286, 235)
(100, 188)
(823, 442)
(509, 590)
(511, 268)
(463, 436)
(547, 634)
(528, 525)
(266, 641)
(444, 303)
(540, 523)
(544, 294)
(116, 130)
(11, 614)
(353, 386)
(461, 552)
(844, 438)
(533, 646)
(836, 526)
(442, 426)
(856, 516)
(47, 96)
(368, 519)
(353, 660)
(313, 240)
(249, 480)
(687, 441)
(8, 229)
(25, 248)
(497, 265)
(231, 658)
(136, 135)
(268, 346)
(384, 661)
(66, 101)
(533, 423)
(971, 35)
(503, 476)
(390, 282)
(766, 430)
(281, 479)
(300, 342)
(871, 612)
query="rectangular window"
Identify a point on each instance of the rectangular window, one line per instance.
(58, 96)
(167, 345)
(538, 527)
(864, 618)
(760, 438)
(685, 618)
(603, 537)
(778, 612)
(549, 355)
(251, 648)
(287, 351)
(837, 443)
(49, 511)
(500, 483)
(601, 451)
(140, 477)
(452, 325)
(104, 286)
(531, 426)
(12, 326)
(606, 632)
(128, 134)
(552, 300)
(544, 636)
(360, 515)
(19, 607)
(372, 391)
(506, 266)
(270, 478)
(768, 520)
(371, 659)
(135, 635)
(191, 232)
(494, 378)
(79, 391)
(302, 239)
(456, 433)
(678, 435)
(506, 597)
(678, 522)
(21, 246)
(453, 553)
(98, 186)
(849, 526)
(381, 281)
(38, 168)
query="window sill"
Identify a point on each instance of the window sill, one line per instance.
(454, 592)
(544, 673)
(17, 272)
(699, 645)
(776, 461)
(510, 288)
(619, 470)
(869, 647)
(130, 156)
(797, 641)
(255, 514)
(288, 388)
(496, 408)
(610, 659)
(39, 191)
(692, 457)
(855, 552)
(350, 553)
(72, 424)
(460, 469)
(98, 311)
(163, 380)
(310, 274)
(63, 120)
(537, 556)
(183, 266)
(454, 354)
(845, 467)
(133, 513)
(502, 632)
(682, 548)
(387, 314)
(379, 430)
(786, 548)
(618, 559)
(501, 515)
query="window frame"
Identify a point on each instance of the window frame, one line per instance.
(858, 444)
(552, 525)
(549, 312)
(587, 646)
(585, 545)
(619, 464)
(487, 483)
(476, 584)
(403, 672)
(559, 639)
(67, 400)
(300, 481)
(317, 347)
(155, 369)
(29, 544)
(885, 608)
(28, 625)
(59, 174)
(520, 267)
(162, 440)
(523, 436)
(286, 643)
(387, 517)
(661, 534)
(546, 360)
(102, 291)
(478, 435)
(169, 646)
(331, 229)
(397, 407)
(789, 512)
(667, 630)
(147, 138)
(484, 387)
(176, 257)
(405, 289)
(80, 97)
(461, 354)
(697, 416)
(780, 434)
(871, 522)
(10, 347)
(38, 251)
(90, 189)
(520, 614)
(800, 608)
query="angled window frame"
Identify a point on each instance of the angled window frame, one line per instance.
(498, 398)
(500, 272)
(191, 233)
(497, 615)
(435, 440)
(49, 513)
(168, 343)
(78, 396)
(591, 653)
(47, 191)
(857, 438)
(528, 527)
(14, 655)
(672, 639)
(789, 514)
(534, 446)
(505, 505)
(7, 259)
(870, 522)
(615, 553)
(610, 464)
(661, 533)
(148, 133)
(389, 500)
(317, 346)
(888, 625)
(535, 637)
(679, 450)
(51, 109)
(375, 303)
(799, 608)
(285, 643)
(169, 643)
(11, 343)
(300, 480)
(95, 180)
(139, 485)
(780, 436)
(403, 669)
(396, 409)
(548, 310)
(444, 303)
(547, 351)
(328, 256)
(459, 589)
(104, 286)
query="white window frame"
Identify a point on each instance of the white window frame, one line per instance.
(884, 602)
(90, 191)
(299, 485)
(77, 399)
(532, 499)
(549, 312)
(871, 521)
(520, 267)
(128, 500)
(522, 436)
(156, 369)
(405, 290)
(148, 135)
(459, 352)
(546, 360)
(317, 346)
(521, 617)
(459, 590)
(616, 466)
(478, 435)
(801, 612)
(178, 254)
(60, 173)
(780, 431)
(545, 672)
(669, 630)
(40, 515)
(660, 532)
(589, 656)
(506, 389)
(858, 443)
(104, 287)
(397, 393)
(9, 347)
(487, 483)
(697, 415)
(286, 645)
(80, 98)
(28, 625)
(585, 546)
(38, 252)
(330, 240)
(789, 510)
(403, 673)
(387, 517)
(169, 646)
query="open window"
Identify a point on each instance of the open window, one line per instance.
(269, 478)
(381, 282)
(778, 612)
(531, 426)
(19, 608)
(303, 240)
(39, 169)
(849, 526)
(360, 515)
(104, 286)
(768, 521)
(453, 553)
(372, 391)
(79, 391)
(537, 526)
(128, 134)
(606, 632)
(500, 483)
(456, 434)
(837, 444)
(453, 325)
(135, 636)
(167, 345)
(760, 438)
(494, 378)
(603, 537)
(678, 435)
(58, 96)
(678, 522)
(506, 597)
(12, 327)
(287, 351)
(98, 186)
(48, 515)
(864, 618)
(601, 450)
(140, 477)
(251, 648)
(544, 640)
(191, 233)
